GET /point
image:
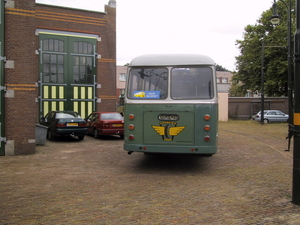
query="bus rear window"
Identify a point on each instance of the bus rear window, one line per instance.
(192, 83)
(148, 83)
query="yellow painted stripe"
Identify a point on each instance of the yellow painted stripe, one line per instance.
(61, 106)
(296, 118)
(46, 107)
(107, 60)
(46, 91)
(61, 92)
(53, 106)
(21, 14)
(75, 92)
(87, 18)
(90, 93)
(18, 85)
(22, 89)
(53, 90)
(50, 18)
(58, 17)
(82, 91)
(108, 97)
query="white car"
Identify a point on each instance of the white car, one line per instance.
(272, 116)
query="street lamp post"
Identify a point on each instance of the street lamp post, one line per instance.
(262, 91)
(275, 19)
(296, 155)
(294, 110)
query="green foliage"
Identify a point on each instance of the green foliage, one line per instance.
(221, 68)
(249, 62)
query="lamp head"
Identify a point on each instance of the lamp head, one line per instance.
(275, 18)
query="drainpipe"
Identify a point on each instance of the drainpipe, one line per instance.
(2, 88)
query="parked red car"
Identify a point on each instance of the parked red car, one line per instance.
(105, 123)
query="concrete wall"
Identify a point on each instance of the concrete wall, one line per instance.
(243, 108)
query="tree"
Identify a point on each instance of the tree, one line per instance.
(221, 68)
(249, 62)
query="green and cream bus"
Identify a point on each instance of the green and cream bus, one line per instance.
(171, 105)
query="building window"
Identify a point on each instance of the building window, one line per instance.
(224, 80)
(83, 62)
(218, 80)
(122, 76)
(53, 61)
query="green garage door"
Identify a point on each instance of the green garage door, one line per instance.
(67, 73)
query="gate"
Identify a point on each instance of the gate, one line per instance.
(67, 72)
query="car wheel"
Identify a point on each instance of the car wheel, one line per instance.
(121, 136)
(266, 121)
(50, 135)
(81, 137)
(96, 134)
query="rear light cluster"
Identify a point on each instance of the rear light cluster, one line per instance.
(64, 124)
(61, 124)
(206, 127)
(131, 126)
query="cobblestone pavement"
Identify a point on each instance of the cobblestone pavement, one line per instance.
(95, 182)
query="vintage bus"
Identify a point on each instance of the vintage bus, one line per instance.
(171, 105)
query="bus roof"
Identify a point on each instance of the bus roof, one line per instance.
(171, 60)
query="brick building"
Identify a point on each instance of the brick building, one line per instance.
(52, 58)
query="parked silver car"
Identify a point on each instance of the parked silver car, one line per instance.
(272, 116)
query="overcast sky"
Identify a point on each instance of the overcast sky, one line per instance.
(208, 27)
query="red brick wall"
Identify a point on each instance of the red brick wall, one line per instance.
(20, 110)
(21, 22)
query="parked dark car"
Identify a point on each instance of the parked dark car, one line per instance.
(105, 123)
(64, 123)
(272, 116)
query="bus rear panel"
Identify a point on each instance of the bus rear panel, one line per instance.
(171, 106)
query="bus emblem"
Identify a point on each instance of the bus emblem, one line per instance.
(168, 130)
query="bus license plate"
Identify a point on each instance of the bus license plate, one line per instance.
(117, 125)
(72, 124)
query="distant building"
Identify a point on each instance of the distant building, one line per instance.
(224, 81)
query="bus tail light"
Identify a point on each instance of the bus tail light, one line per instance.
(206, 127)
(207, 117)
(131, 137)
(131, 116)
(207, 138)
(131, 127)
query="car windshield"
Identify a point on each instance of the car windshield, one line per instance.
(111, 116)
(66, 115)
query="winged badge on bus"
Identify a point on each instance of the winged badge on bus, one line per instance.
(168, 130)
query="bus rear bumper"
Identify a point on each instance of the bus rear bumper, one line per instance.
(205, 150)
